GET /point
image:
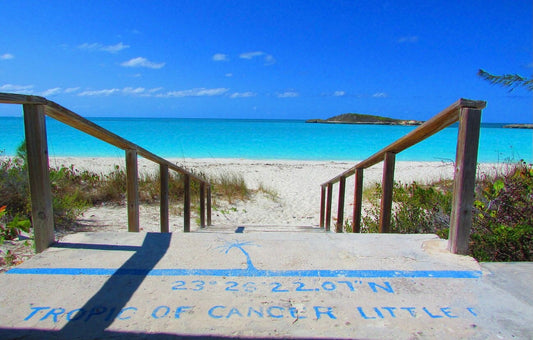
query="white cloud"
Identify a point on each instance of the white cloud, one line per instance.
(105, 48)
(198, 92)
(154, 90)
(6, 56)
(131, 90)
(288, 94)
(408, 39)
(142, 62)
(105, 92)
(380, 95)
(220, 57)
(16, 88)
(339, 93)
(251, 55)
(229, 75)
(50, 92)
(71, 89)
(268, 58)
(115, 48)
(243, 95)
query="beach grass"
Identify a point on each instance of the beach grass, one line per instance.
(502, 228)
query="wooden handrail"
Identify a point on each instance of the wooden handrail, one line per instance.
(465, 171)
(440, 121)
(78, 122)
(64, 115)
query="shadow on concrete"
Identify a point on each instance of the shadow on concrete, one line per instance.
(100, 311)
(44, 335)
(96, 246)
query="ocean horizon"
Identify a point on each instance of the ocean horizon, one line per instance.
(267, 139)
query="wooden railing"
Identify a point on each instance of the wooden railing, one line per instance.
(35, 110)
(468, 114)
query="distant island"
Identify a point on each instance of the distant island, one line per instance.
(357, 118)
(518, 126)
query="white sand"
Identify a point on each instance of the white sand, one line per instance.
(296, 184)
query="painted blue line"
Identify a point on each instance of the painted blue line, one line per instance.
(253, 272)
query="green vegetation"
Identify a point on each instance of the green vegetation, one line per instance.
(511, 81)
(502, 227)
(230, 186)
(74, 191)
(358, 118)
(418, 209)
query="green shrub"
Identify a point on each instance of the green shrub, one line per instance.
(416, 209)
(502, 226)
(9, 230)
(503, 216)
(14, 188)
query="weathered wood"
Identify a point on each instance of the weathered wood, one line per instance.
(202, 205)
(386, 199)
(322, 206)
(358, 201)
(163, 210)
(76, 121)
(328, 206)
(72, 119)
(39, 178)
(340, 207)
(11, 98)
(132, 190)
(464, 180)
(208, 203)
(442, 120)
(186, 203)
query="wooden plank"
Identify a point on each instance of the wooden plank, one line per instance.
(202, 205)
(322, 205)
(386, 199)
(11, 98)
(442, 120)
(208, 203)
(186, 203)
(163, 210)
(340, 208)
(76, 121)
(464, 181)
(328, 206)
(358, 201)
(39, 178)
(132, 190)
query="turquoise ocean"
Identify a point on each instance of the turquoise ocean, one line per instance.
(266, 139)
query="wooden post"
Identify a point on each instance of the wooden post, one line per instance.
(208, 204)
(202, 205)
(464, 180)
(328, 206)
(386, 199)
(163, 210)
(340, 208)
(186, 203)
(322, 205)
(39, 179)
(132, 190)
(358, 201)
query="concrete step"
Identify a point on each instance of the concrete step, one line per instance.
(262, 285)
(239, 229)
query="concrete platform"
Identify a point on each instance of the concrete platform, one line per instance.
(262, 285)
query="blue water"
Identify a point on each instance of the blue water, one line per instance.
(266, 139)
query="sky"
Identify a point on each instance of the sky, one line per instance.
(266, 59)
